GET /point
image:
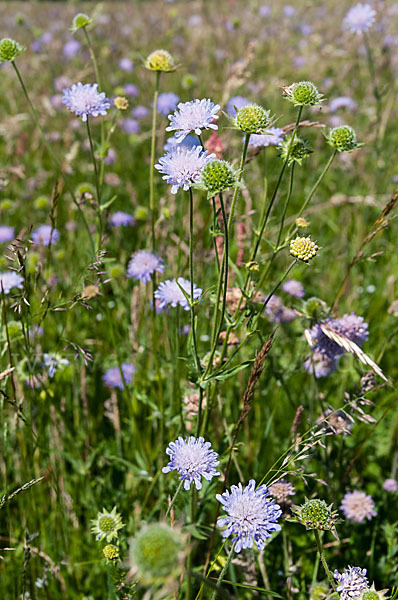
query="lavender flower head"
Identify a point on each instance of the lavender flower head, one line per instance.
(342, 102)
(85, 100)
(53, 361)
(182, 166)
(294, 288)
(121, 219)
(358, 506)
(236, 103)
(45, 235)
(193, 116)
(251, 515)
(193, 458)
(9, 280)
(359, 18)
(189, 142)
(272, 136)
(167, 102)
(390, 485)
(320, 365)
(277, 312)
(351, 583)
(113, 379)
(126, 64)
(143, 264)
(352, 326)
(169, 292)
(6, 234)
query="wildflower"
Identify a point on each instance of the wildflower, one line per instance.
(182, 166)
(167, 102)
(281, 490)
(236, 103)
(343, 138)
(359, 18)
(121, 103)
(252, 118)
(126, 64)
(189, 142)
(351, 583)
(113, 379)
(277, 312)
(193, 458)
(301, 222)
(160, 60)
(372, 594)
(53, 362)
(45, 235)
(334, 421)
(71, 48)
(272, 136)
(111, 553)
(320, 365)
(80, 20)
(130, 126)
(107, 525)
(130, 89)
(303, 248)
(316, 514)
(193, 117)
(143, 264)
(140, 112)
(342, 102)
(358, 506)
(294, 288)
(350, 325)
(10, 49)
(169, 292)
(217, 176)
(296, 151)
(6, 234)
(9, 280)
(251, 516)
(390, 485)
(304, 93)
(156, 550)
(85, 100)
(121, 219)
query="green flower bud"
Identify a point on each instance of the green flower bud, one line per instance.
(299, 150)
(316, 514)
(315, 308)
(80, 20)
(41, 202)
(10, 49)
(116, 271)
(372, 594)
(155, 551)
(252, 119)
(160, 60)
(217, 176)
(111, 552)
(304, 93)
(141, 213)
(107, 524)
(303, 248)
(343, 138)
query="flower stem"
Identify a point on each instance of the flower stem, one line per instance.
(190, 555)
(192, 308)
(151, 171)
(178, 490)
(376, 92)
(321, 554)
(237, 188)
(224, 570)
(268, 298)
(97, 183)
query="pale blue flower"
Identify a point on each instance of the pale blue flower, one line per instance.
(193, 116)
(351, 583)
(169, 292)
(121, 219)
(182, 166)
(6, 233)
(188, 142)
(113, 379)
(9, 280)
(85, 100)
(53, 362)
(45, 235)
(167, 102)
(294, 288)
(272, 136)
(193, 458)
(359, 18)
(143, 264)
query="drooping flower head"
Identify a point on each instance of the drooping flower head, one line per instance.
(45, 235)
(9, 280)
(303, 93)
(169, 293)
(252, 516)
(193, 116)
(182, 166)
(143, 264)
(358, 506)
(193, 458)
(359, 18)
(80, 20)
(121, 219)
(351, 583)
(107, 525)
(272, 136)
(85, 100)
(113, 379)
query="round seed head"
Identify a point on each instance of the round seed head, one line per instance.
(316, 514)
(342, 138)
(80, 20)
(299, 150)
(107, 524)
(372, 594)
(155, 550)
(303, 248)
(10, 49)
(217, 176)
(304, 93)
(160, 60)
(252, 119)
(111, 552)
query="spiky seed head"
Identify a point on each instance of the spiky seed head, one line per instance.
(303, 248)
(121, 103)
(155, 550)
(342, 138)
(316, 514)
(217, 176)
(300, 149)
(111, 552)
(304, 93)
(160, 60)
(252, 118)
(10, 49)
(372, 594)
(80, 20)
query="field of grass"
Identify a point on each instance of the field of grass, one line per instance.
(287, 367)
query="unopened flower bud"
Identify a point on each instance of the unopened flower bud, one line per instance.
(252, 119)
(121, 103)
(160, 60)
(10, 49)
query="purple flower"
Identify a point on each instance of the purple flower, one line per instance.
(189, 142)
(130, 89)
(193, 458)
(342, 102)
(121, 219)
(277, 312)
(111, 157)
(359, 18)
(53, 362)
(320, 365)
(294, 288)
(113, 378)
(45, 235)
(358, 506)
(193, 117)
(390, 485)
(130, 126)
(351, 583)
(236, 103)
(62, 82)
(167, 102)
(140, 112)
(251, 516)
(289, 11)
(6, 233)
(71, 48)
(126, 65)
(85, 100)
(352, 326)
(143, 264)
(264, 10)
(272, 136)
(9, 280)
(182, 166)
(169, 292)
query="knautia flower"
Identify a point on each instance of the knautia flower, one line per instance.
(252, 516)
(273, 136)
(143, 264)
(236, 103)
(390, 485)
(282, 490)
(9, 280)
(169, 293)
(188, 142)
(252, 118)
(111, 553)
(10, 49)
(140, 112)
(85, 100)
(167, 102)
(351, 583)
(303, 248)
(358, 506)
(193, 458)
(350, 325)
(343, 138)
(294, 288)
(156, 551)
(217, 176)
(80, 20)
(316, 514)
(303, 93)
(6, 233)
(301, 222)
(320, 365)
(113, 379)
(359, 18)
(277, 312)
(44, 235)
(193, 116)
(53, 362)
(342, 102)
(297, 152)
(121, 219)
(107, 525)
(182, 166)
(160, 60)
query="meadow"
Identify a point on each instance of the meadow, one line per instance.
(199, 300)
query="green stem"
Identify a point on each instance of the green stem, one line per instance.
(321, 554)
(224, 570)
(190, 555)
(97, 77)
(237, 187)
(268, 298)
(289, 195)
(151, 172)
(375, 89)
(191, 306)
(175, 497)
(97, 183)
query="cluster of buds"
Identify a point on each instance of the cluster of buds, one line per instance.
(161, 61)
(252, 119)
(217, 176)
(343, 139)
(303, 248)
